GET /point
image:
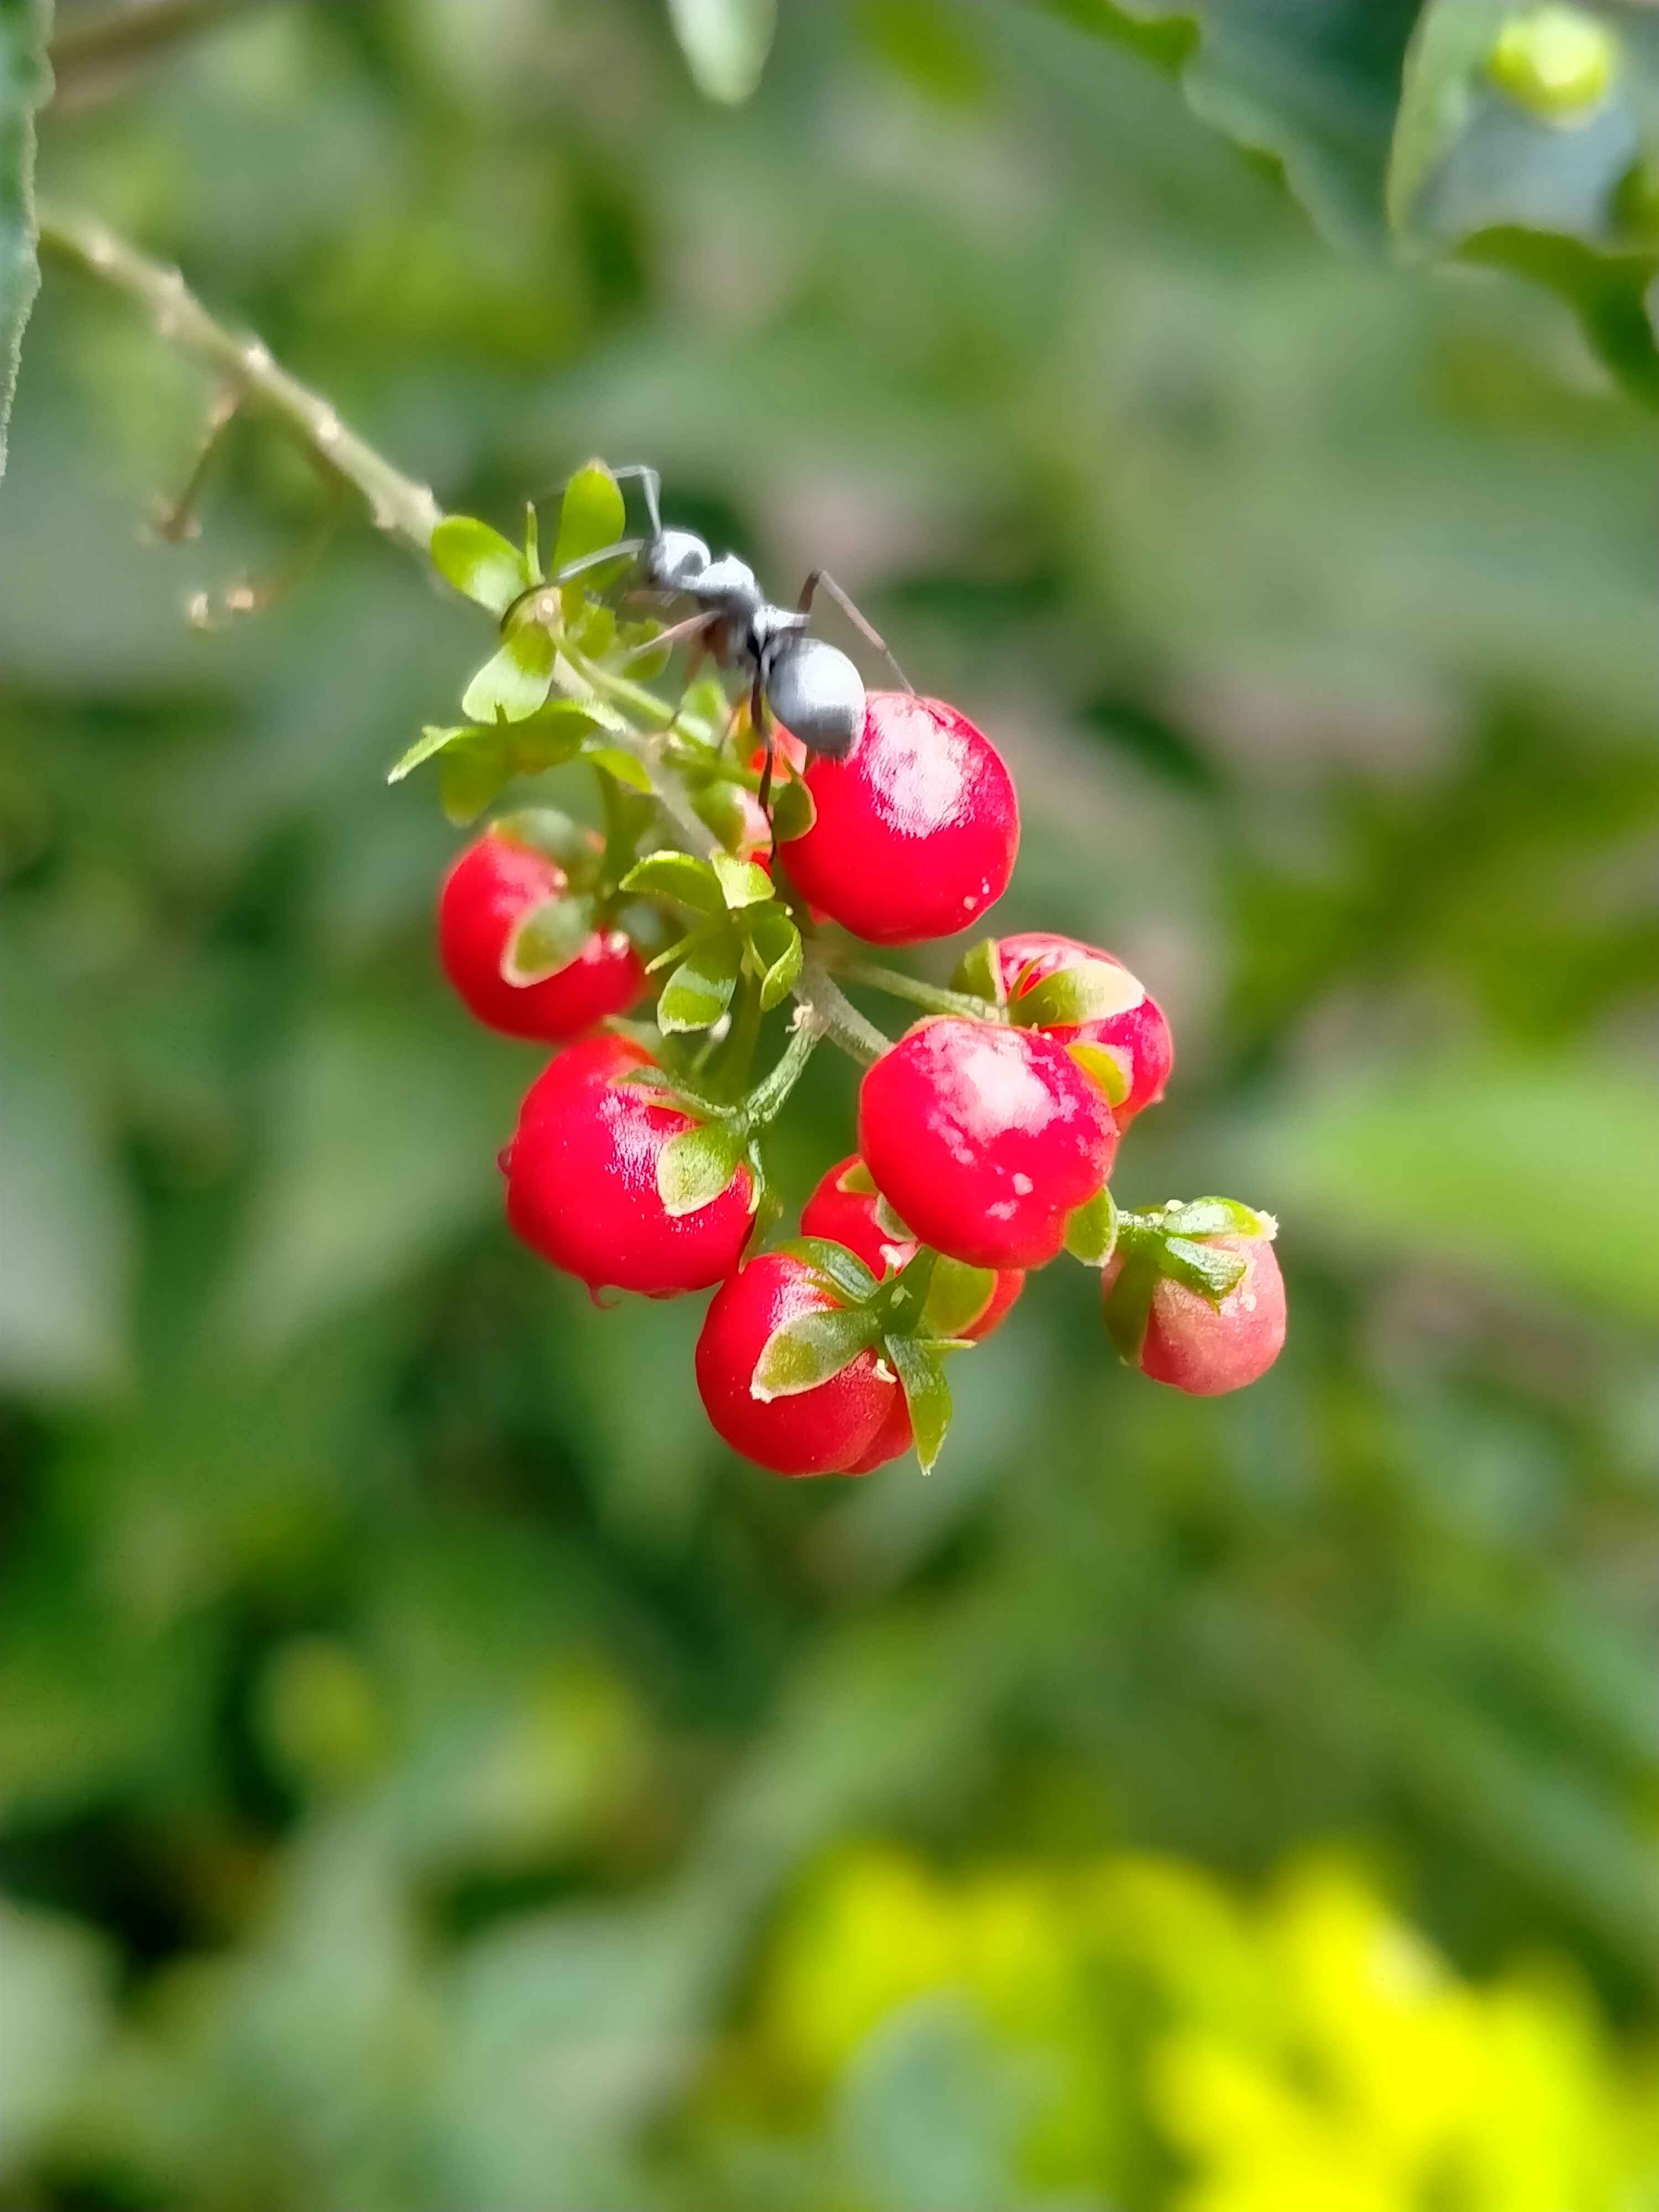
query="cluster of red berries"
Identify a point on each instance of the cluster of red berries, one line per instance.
(986, 1134)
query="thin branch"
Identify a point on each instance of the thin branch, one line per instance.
(126, 30)
(398, 504)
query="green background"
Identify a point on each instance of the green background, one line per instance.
(413, 1725)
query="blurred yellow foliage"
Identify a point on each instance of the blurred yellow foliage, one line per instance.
(1305, 2051)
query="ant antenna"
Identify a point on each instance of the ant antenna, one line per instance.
(650, 483)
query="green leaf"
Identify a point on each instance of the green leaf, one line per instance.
(513, 683)
(725, 43)
(694, 1168)
(809, 1351)
(432, 740)
(1104, 1066)
(623, 767)
(546, 937)
(700, 989)
(1313, 84)
(921, 1372)
(480, 562)
(956, 1296)
(545, 829)
(471, 774)
(679, 877)
(843, 1269)
(795, 810)
(775, 943)
(1092, 1231)
(1089, 991)
(1203, 1268)
(979, 973)
(743, 882)
(591, 516)
(1213, 1216)
(25, 83)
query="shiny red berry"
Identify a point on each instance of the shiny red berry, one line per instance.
(1206, 1349)
(1138, 1038)
(581, 1180)
(891, 1440)
(984, 1138)
(490, 890)
(827, 1429)
(847, 1216)
(917, 827)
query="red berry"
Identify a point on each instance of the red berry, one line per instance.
(848, 1217)
(494, 883)
(1207, 1349)
(827, 1429)
(891, 1441)
(581, 1186)
(983, 1139)
(1138, 1038)
(917, 827)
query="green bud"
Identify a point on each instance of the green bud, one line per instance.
(1556, 62)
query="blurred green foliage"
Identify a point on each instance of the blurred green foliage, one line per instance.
(412, 1726)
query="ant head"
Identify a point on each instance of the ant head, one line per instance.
(675, 560)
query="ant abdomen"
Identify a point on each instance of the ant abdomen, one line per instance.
(815, 692)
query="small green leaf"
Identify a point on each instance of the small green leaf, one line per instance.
(809, 1351)
(513, 683)
(979, 973)
(545, 829)
(546, 937)
(623, 767)
(725, 43)
(1203, 1268)
(1088, 991)
(471, 774)
(921, 1372)
(1214, 1217)
(695, 1167)
(532, 541)
(700, 989)
(676, 876)
(431, 741)
(743, 882)
(795, 810)
(843, 1269)
(857, 1180)
(480, 562)
(1092, 1231)
(719, 805)
(25, 85)
(1104, 1065)
(956, 1296)
(1128, 1303)
(775, 943)
(591, 516)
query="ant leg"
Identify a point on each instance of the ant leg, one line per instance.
(866, 629)
(623, 545)
(650, 483)
(694, 626)
(767, 738)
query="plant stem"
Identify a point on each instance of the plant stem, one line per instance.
(127, 30)
(898, 985)
(843, 1024)
(399, 505)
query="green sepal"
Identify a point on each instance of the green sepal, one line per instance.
(592, 516)
(1103, 1066)
(532, 541)
(886, 1219)
(546, 937)
(545, 829)
(725, 43)
(700, 989)
(1088, 991)
(775, 942)
(718, 804)
(956, 1296)
(857, 1180)
(795, 810)
(979, 973)
(676, 876)
(513, 683)
(1129, 1304)
(1214, 1217)
(1092, 1231)
(1556, 62)
(480, 562)
(623, 768)
(810, 1350)
(921, 1377)
(695, 1166)
(842, 1268)
(1203, 1268)
(743, 882)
